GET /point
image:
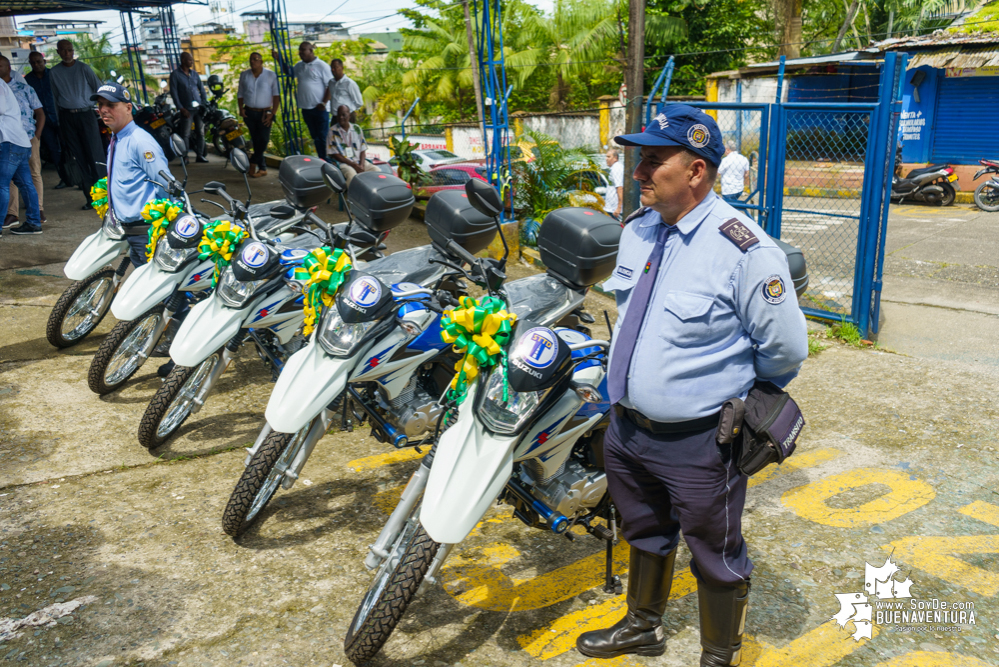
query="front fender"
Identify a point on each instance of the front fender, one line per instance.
(471, 467)
(208, 326)
(95, 252)
(148, 285)
(309, 381)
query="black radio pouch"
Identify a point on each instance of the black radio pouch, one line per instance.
(769, 421)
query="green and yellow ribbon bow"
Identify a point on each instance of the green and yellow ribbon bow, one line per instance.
(99, 197)
(218, 243)
(323, 271)
(481, 328)
(160, 213)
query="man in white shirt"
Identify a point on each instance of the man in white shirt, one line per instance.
(342, 90)
(15, 154)
(259, 101)
(733, 172)
(615, 190)
(347, 146)
(312, 75)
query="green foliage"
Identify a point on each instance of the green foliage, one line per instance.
(543, 183)
(815, 345)
(846, 332)
(407, 165)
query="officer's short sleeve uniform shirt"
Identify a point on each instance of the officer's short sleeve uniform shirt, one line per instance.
(719, 316)
(134, 157)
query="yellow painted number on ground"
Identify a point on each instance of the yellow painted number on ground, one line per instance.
(906, 495)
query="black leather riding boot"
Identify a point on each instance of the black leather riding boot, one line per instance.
(723, 619)
(641, 630)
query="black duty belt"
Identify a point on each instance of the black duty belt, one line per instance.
(663, 428)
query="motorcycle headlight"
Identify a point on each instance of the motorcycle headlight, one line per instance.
(171, 259)
(509, 416)
(235, 293)
(112, 227)
(341, 339)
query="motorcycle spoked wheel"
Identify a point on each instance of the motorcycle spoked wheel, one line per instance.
(260, 479)
(987, 197)
(174, 401)
(80, 309)
(394, 587)
(121, 352)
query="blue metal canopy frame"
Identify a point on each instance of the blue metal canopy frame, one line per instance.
(495, 94)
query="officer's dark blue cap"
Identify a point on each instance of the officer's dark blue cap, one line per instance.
(681, 125)
(112, 92)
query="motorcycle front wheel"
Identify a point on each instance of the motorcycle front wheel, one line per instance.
(124, 351)
(260, 479)
(174, 401)
(987, 197)
(80, 309)
(394, 587)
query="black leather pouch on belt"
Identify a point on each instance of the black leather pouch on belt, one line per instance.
(769, 422)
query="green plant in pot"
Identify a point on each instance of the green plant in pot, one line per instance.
(407, 164)
(543, 179)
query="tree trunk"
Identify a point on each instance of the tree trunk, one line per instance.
(851, 12)
(473, 59)
(788, 15)
(634, 80)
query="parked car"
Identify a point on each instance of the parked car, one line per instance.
(451, 177)
(428, 159)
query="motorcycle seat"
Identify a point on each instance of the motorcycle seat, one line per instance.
(904, 184)
(925, 170)
(408, 266)
(542, 299)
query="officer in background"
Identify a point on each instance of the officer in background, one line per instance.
(705, 308)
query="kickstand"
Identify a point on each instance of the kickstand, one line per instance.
(612, 582)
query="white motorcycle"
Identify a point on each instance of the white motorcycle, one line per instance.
(156, 291)
(257, 299)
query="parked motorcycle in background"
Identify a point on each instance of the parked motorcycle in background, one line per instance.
(222, 130)
(935, 184)
(987, 194)
(155, 119)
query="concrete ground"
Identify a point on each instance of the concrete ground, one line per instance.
(124, 547)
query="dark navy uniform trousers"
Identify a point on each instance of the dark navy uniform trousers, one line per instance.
(662, 484)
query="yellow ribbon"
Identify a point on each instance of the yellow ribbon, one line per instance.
(481, 328)
(160, 213)
(218, 242)
(323, 271)
(99, 197)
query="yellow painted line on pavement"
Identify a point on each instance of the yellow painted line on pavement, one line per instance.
(481, 583)
(934, 555)
(906, 495)
(824, 646)
(620, 661)
(379, 460)
(982, 511)
(933, 659)
(560, 635)
(802, 460)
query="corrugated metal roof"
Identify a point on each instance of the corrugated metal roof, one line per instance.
(938, 38)
(961, 57)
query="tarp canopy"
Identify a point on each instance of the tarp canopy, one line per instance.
(22, 7)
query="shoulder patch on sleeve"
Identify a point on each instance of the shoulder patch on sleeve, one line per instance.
(149, 156)
(637, 214)
(739, 234)
(773, 289)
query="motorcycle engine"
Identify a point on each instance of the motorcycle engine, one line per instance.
(414, 411)
(573, 488)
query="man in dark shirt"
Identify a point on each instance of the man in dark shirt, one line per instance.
(188, 94)
(38, 78)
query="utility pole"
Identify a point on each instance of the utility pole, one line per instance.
(473, 60)
(634, 81)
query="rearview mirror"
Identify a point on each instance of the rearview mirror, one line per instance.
(239, 160)
(214, 187)
(282, 212)
(483, 197)
(177, 144)
(334, 178)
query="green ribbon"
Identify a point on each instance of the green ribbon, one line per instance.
(481, 328)
(218, 243)
(322, 272)
(159, 213)
(99, 197)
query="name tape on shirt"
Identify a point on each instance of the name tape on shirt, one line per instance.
(739, 234)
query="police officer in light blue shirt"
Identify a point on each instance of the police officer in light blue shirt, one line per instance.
(706, 307)
(134, 159)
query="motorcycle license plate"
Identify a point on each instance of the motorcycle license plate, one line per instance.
(159, 122)
(238, 132)
(952, 178)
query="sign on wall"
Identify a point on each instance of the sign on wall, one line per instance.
(971, 71)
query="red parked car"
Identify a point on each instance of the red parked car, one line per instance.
(451, 177)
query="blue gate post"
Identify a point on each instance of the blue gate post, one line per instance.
(281, 41)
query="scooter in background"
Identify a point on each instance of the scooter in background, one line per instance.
(987, 194)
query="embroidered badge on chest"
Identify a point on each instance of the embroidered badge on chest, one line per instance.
(773, 289)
